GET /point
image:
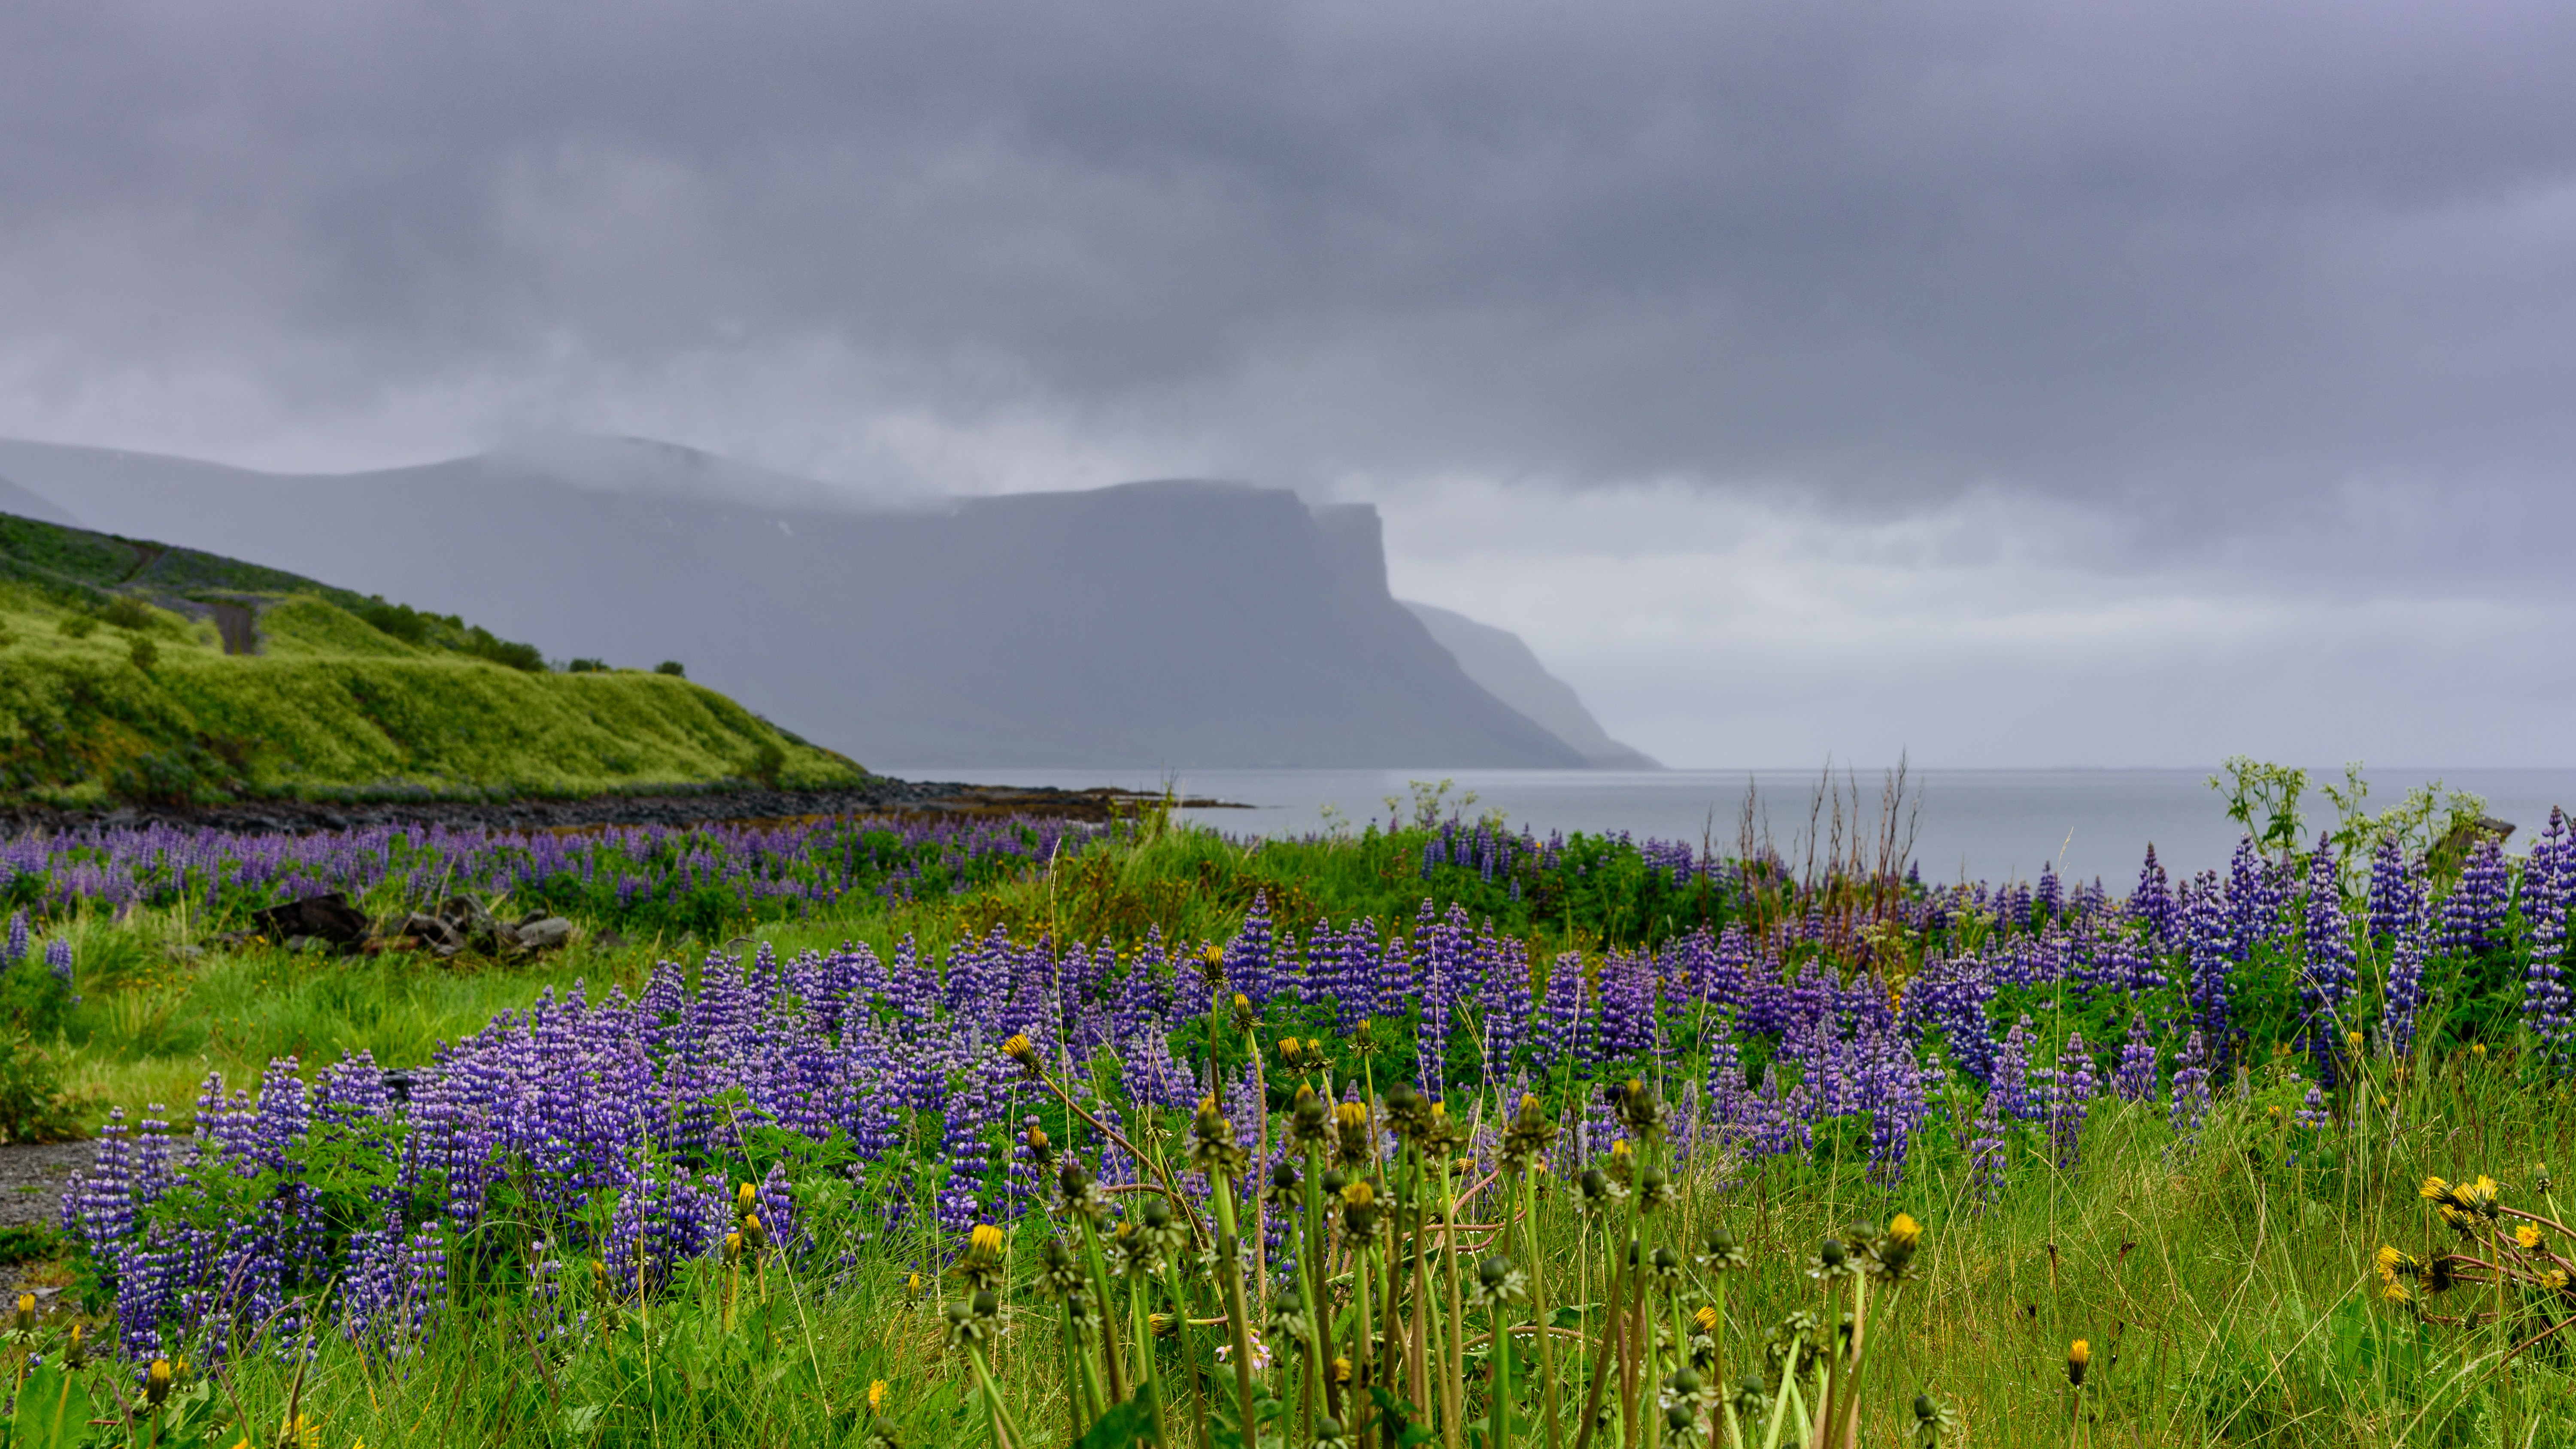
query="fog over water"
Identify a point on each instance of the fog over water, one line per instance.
(1980, 824)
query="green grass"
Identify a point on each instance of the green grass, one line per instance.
(2227, 1295)
(141, 702)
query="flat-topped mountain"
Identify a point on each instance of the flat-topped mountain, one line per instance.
(1178, 624)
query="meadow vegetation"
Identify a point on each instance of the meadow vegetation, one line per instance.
(1427, 1133)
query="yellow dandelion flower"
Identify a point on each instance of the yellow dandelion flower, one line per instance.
(1359, 1194)
(2078, 1356)
(1351, 1114)
(877, 1396)
(2396, 1292)
(2434, 1190)
(745, 1198)
(985, 1241)
(1904, 1231)
(2555, 1280)
(2528, 1234)
(1706, 1318)
(1214, 955)
(1341, 1370)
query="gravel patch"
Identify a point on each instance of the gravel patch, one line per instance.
(32, 1176)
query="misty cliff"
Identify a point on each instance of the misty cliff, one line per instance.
(1177, 624)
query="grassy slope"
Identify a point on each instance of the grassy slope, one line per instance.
(333, 707)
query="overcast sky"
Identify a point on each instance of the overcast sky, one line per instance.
(2018, 382)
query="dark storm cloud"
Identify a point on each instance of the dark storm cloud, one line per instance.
(2229, 269)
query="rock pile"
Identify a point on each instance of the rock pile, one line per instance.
(327, 922)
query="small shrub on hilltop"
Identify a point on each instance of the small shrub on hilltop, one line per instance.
(587, 666)
(128, 612)
(482, 644)
(79, 626)
(670, 667)
(401, 621)
(143, 652)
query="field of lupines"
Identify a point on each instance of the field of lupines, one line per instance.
(648, 878)
(1839, 1161)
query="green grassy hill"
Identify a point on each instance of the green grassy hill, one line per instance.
(135, 671)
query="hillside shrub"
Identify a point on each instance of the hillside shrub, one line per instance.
(670, 667)
(33, 1105)
(128, 612)
(482, 644)
(401, 621)
(79, 626)
(143, 652)
(587, 666)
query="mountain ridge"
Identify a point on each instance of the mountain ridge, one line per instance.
(1174, 623)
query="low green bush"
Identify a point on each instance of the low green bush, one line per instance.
(128, 612)
(33, 1105)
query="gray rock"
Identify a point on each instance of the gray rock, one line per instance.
(545, 934)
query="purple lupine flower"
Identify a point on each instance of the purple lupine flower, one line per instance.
(1561, 1018)
(2068, 1094)
(1508, 1026)
(2212, 955)
(1951, 995)
(2049, 898)
(1431, 1034)
(2312, 1113)
(2405, 995)
(2326, 969)
(2473, 913)
(2396, 890)
(1986, 1154)
(2191, 1088)
(2011, 1075)
(2548, 880)
(2136, 1079)
(2253, 898)
(1361, 959)
(1892, 1093)
(58, 959)
(2153, 901)
(14, 949)
(1249, 956)
(1626, 1019)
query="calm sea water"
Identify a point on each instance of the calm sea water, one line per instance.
(1984, 824)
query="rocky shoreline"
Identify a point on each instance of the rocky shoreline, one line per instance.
(882, 795)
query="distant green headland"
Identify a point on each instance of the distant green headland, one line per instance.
(134, 671)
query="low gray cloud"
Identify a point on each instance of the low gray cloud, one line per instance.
(2272, 301)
